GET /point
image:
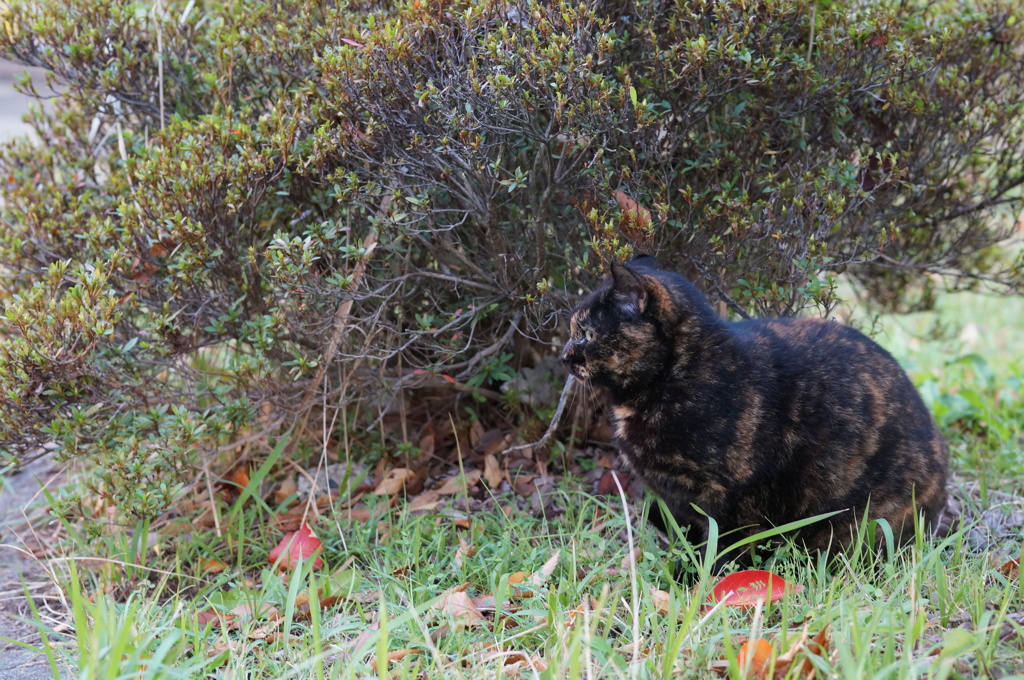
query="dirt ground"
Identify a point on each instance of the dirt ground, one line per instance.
(20, 491)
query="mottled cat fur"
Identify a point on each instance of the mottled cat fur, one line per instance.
(759, 422)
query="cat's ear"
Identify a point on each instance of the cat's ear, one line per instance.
(629, 289)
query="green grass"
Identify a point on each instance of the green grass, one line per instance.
(936, 610)
(967, 359)
(896, 618)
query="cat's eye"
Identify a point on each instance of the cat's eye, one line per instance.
(589, 335)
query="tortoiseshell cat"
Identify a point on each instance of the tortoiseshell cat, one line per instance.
(760, 422)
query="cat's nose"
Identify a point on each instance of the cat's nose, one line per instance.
(567, 354)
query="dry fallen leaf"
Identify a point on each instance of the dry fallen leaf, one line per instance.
(494, 442)
(587, 604)
(492, 471)
(428, 442)
(212, 566)
(541, 576)
(463, 551)
(207, 616)
(634, 556)
(178, 526)
(396, 655)
(606, 486)
(518, 577)
(457, 604)
(1012, 628)
(755, 658)
(364, 637)
(458, 483)
(425, 501)
(234, 482)
(528, 667)
(802, 646)
(524, 485)
(661, 600)
(221, 645)
(285, 489)
(250, 611)
(476, 431)
(292, 520)
(512, 660)
(394, 481)
(356, 515)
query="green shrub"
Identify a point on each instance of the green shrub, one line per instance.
(238, 211)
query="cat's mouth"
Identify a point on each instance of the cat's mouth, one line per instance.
(575, 363)
(580, 371)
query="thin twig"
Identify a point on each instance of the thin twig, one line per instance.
(158, 10)
(213, 501)
(554, 420)
(810, 52)
(340, 324)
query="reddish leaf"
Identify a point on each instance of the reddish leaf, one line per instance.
(301, 544)
(223, 619)
(606, 486)
(747, 588)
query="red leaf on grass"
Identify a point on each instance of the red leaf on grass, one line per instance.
(747, 588)
(301, 544)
